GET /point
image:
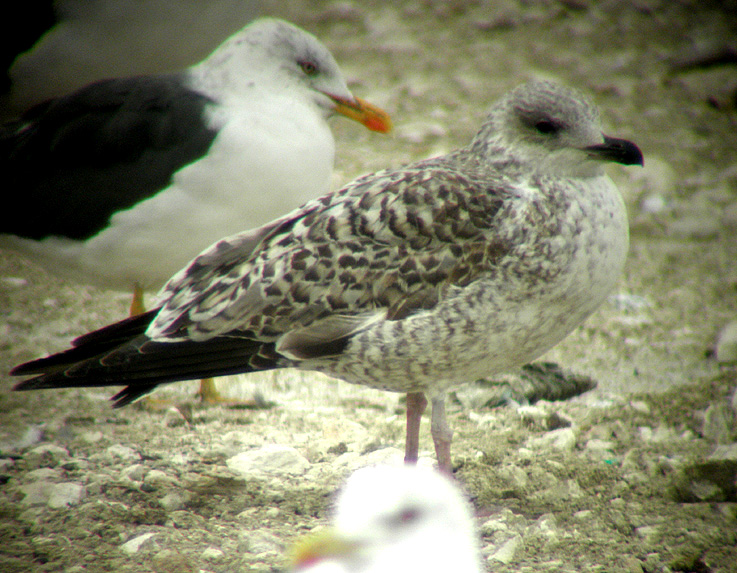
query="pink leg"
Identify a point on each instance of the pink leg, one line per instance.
(416, 404)
(441, 434)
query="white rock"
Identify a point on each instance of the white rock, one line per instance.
(92, 437)
(270, 459)
(562, 439)
(726, 344)
(173, 501)
(55, 495)
(212, 554)
(261, 541)
(596, 445)
(123, 452)
(505, 553)
(724, 452)
(36, 493)
(65, 494)
(158, 478)
(134, 472)
(132, 546)
(33, 435)
(46, 454)
(42, 474)
(653, 204)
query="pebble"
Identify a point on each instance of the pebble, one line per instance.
(173, 501)
(726, 344)
(269, 459)
(48, 455)
(54, 495)
(720, 423)
(212, 554)
(65, 494)
(725, 452)
(562, 439)
(158, 478)
(134, 472)
(132, 546)
(505, 553)
(123, 453)
(258, 542)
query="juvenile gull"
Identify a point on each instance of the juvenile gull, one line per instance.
(394, 519)
(123, 182)
(410, 280)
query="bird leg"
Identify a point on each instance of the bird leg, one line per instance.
(441, 434)
(416, 404)
(137, 307)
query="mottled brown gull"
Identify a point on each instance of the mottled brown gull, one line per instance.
(410, 280)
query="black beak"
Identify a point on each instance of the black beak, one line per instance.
(617, 150)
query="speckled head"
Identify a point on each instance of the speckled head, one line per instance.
(546, 127)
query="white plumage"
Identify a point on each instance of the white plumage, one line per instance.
(395, 519)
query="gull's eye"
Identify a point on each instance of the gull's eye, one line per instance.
(308, 67)
(547, 127)
(409, 515)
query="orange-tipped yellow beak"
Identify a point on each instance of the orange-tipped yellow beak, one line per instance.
(374, 118)
(321, 546)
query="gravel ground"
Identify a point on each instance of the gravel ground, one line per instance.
(636, 475)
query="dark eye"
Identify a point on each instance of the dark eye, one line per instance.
(409, 515)
(545, 126)
(308, 67)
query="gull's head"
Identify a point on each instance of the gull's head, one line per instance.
(395, 518)
(551, 129)
(276, 58)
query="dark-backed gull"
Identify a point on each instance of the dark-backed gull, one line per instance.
(123, 182)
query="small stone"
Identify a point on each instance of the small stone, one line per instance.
(640, 406)
(134, 472)
(505, 553)
(123, 452)
(55, 495)
(173, 501)
(726, 344)
(270, 459)
(65, 494)
(653, 204)
(562, 439)
(36, 493)
(648, 532)
(212, 554)
(258, 542)
(132, 546)
(46, 455)
(719, 423)
(600, 446)
(725, 452)
(158, 478)
(92, 437)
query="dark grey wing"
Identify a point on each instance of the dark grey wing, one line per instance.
(70, 163)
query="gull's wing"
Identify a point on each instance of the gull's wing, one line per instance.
(389, 244)
(119, 141)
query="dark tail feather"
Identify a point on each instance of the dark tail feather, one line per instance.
(121, 355)
(90, 345)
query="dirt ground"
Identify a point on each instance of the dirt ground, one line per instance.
(636, 475)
